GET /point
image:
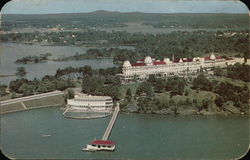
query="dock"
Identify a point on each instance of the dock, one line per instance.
(111, 123)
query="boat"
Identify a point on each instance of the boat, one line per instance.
(46, 135)
(100, 145)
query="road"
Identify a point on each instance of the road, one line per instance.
(37, 96)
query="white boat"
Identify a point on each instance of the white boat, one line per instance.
(46, 135)
(100, 145)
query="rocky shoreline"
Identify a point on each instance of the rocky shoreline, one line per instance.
(185, 112)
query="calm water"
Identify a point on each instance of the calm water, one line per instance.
(9, 52)
(137, 136)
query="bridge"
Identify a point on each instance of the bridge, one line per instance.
(111, 123)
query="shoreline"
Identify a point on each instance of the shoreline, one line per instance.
(138, 112)
(38, 107)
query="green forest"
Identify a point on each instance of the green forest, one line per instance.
(106, 19)
(180, 43)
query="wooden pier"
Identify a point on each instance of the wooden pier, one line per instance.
(111, 123)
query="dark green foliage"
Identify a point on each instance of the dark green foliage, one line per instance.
(219, 101)
(33, 59)
(239, 71)
(201, 82)
(14, 85)
(3, 90)
(91, 84)
(42, 88)
(128, 95)
(218, 71)
(70, 94)
(231, 92)
(175, 85)
(21, 72)
(112, 79)
(107, 19)
(87, 70)
(61, 85)
(145, 89)
(26, 89)
(181, 43)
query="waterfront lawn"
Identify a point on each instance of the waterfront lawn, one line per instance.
(48, 101)
(185, 103)
(11, 107)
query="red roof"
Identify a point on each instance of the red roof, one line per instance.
(206, 58)
(103, 142)
(138, 64)
(159, 62)
(187, 60)
(176, 61)
(219, 57)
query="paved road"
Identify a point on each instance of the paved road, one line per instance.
(37, 96)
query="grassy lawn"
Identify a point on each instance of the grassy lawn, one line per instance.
(11, 107)
(36, 103)
(44, 101)
(236, 82)
(124, 87)
(192, 95)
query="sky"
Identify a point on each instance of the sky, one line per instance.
(148, 6)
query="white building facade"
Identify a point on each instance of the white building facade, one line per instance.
(148, 66)
(83, 102)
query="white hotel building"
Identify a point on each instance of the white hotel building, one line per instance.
(148, 66)
(88, 103)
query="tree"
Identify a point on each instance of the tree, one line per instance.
(20, 71)
(151, 78)
(85, 84)
(14, 85)
(3, 90)
(159, 85)
(61, 85)
(26, 89)
(144, 88)
(70, 94)
(219, 101)
(87, 70)
(42, 88)
(50, 85)
(188, 102)
(175, 85)
(128, 95)
(218, 71)
(201, 82)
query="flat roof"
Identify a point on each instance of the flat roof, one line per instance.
(85, 96)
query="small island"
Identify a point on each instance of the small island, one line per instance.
(34, 59)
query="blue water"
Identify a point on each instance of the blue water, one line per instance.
(138, 136)
(10, 52)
